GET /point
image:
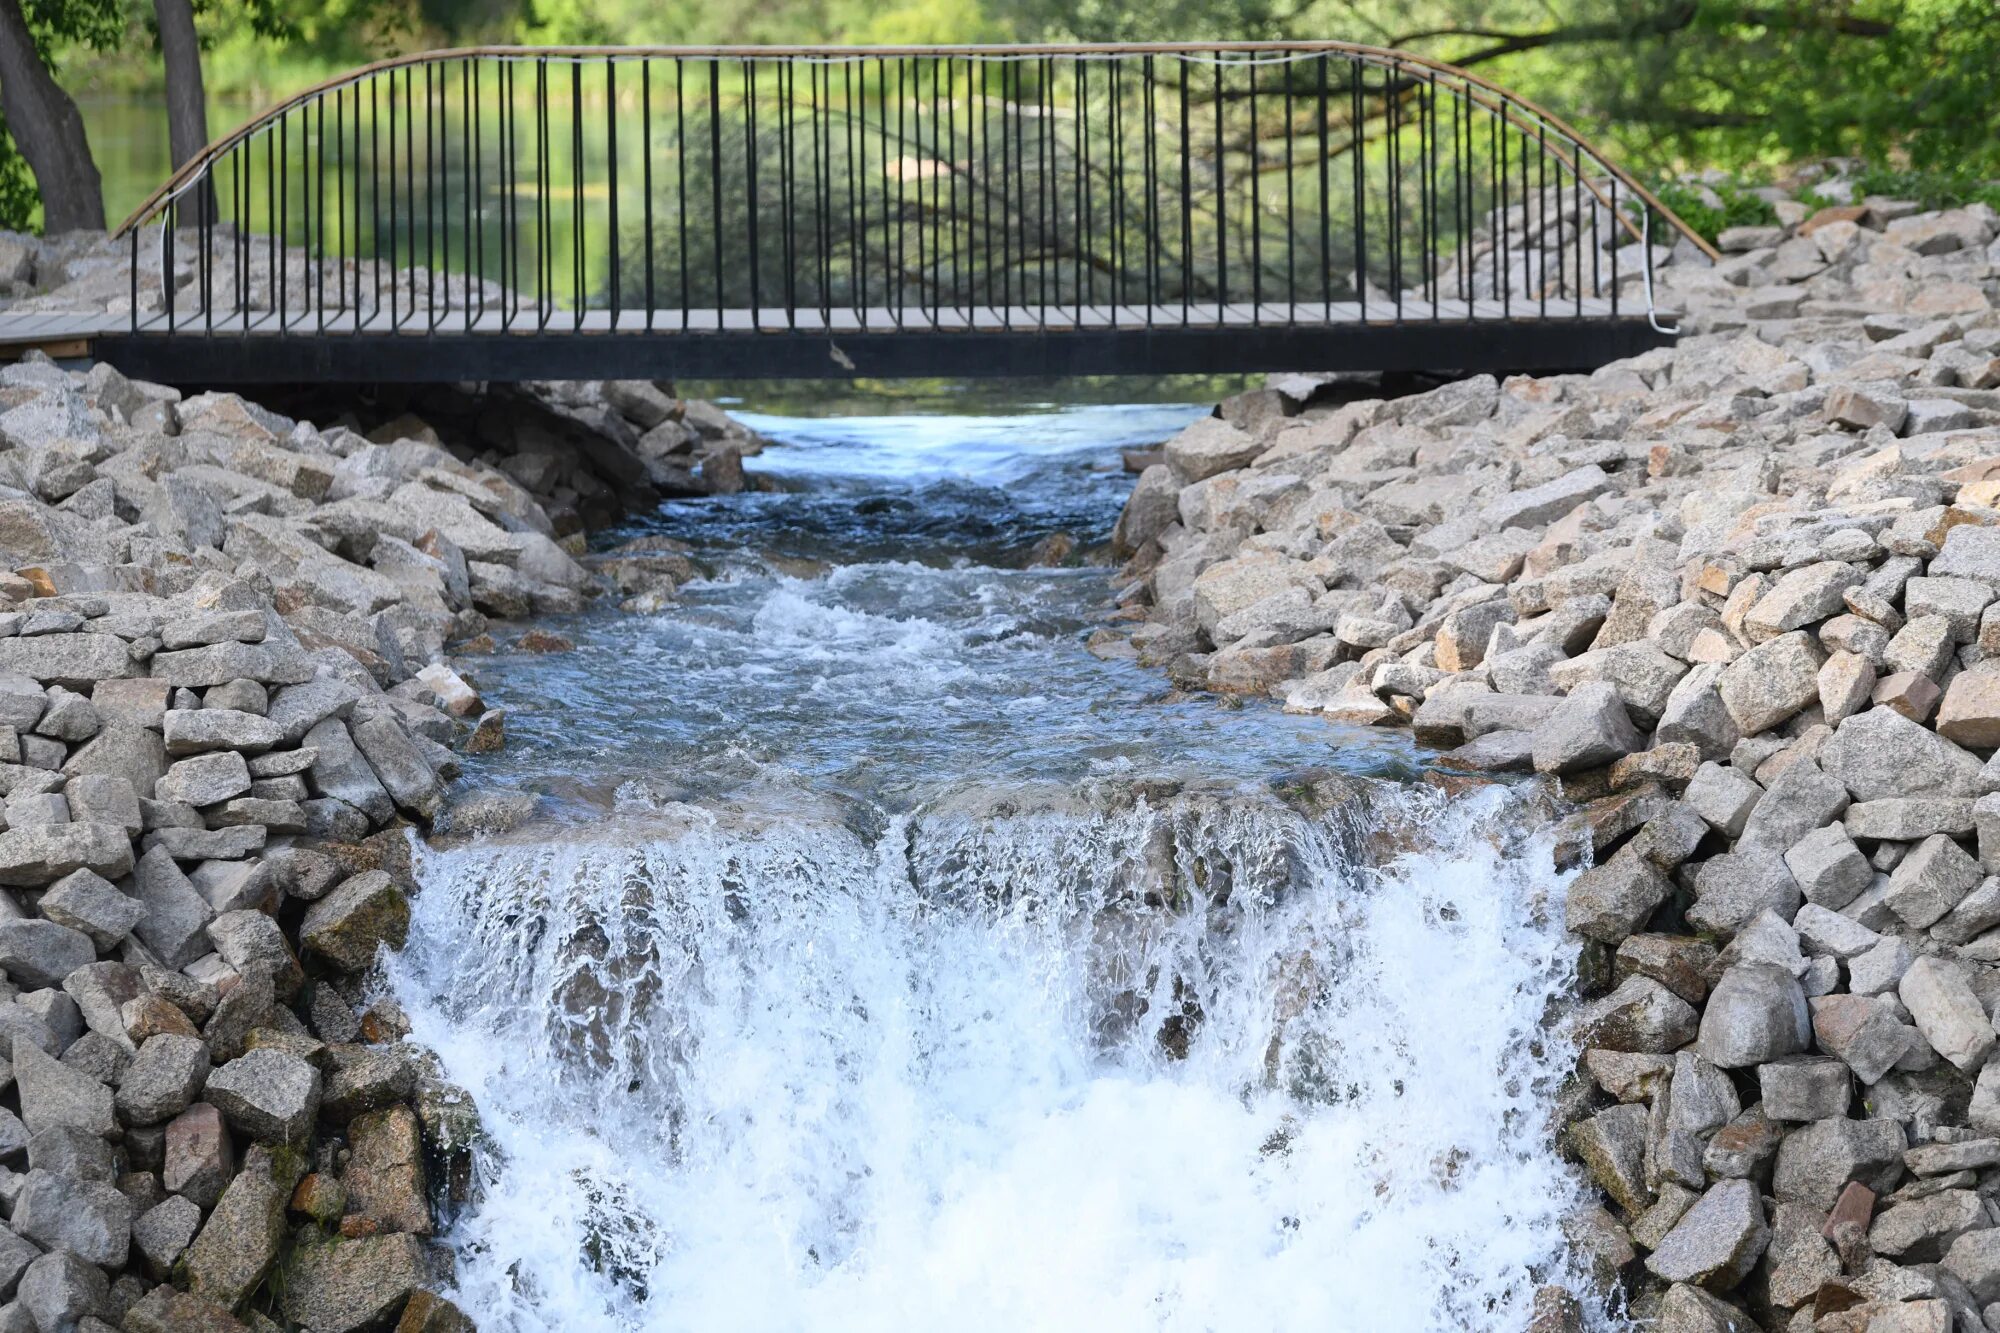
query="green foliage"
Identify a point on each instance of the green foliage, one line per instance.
(1944, 187)
(1709, 209)
(20, 204)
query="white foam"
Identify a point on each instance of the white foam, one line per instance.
(783, 1079)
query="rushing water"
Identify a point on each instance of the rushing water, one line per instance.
(888, 962)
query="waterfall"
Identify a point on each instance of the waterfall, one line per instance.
(1038, 1058)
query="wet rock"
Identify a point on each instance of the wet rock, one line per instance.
(1612, 1145)
(352, 923)
(1640, 1015)
(240, 1242)
(385, 1175)
(1610, 901)
(352, 1285)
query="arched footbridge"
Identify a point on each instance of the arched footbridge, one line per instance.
(507, 214)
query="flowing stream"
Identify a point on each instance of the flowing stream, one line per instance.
(886, 961)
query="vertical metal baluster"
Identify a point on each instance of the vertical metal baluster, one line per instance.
(1256, 204)
(1596, 245)
(475, 203)
(1325, 200)
(715, 178)
(1086, 280)
(510, 226)
(892, 225)
(1291, 204)
(1506, 220)
(1615, 247)
(1542, 211)
(1355, 121)
(857, 141)
(750, 170)
(1392, 97)
(281, 233)
(1048, 219)
(857, 184)
(611, 167)
(1114, 204)
(1151, 178)
(980, 120)
(544, 247)
(950, 160)
(782, 70)
(1009, 105)
(646, 119)
(902, 195)
(1432, 293)
(436, 218)
(1187, 197)
(1221, 207)
(167, 283)
(681, 180)
(132, 281)
(823, 185)
(410, 177)
(579, 220)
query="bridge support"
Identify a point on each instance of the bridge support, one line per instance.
(1575, 344)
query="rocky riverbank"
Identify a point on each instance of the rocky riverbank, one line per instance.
(1738, 598)
(233, 671)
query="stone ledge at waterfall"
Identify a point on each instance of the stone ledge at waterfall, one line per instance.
(1740, 598)
(224, 689)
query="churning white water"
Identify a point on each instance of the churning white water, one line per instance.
(1083, 1050)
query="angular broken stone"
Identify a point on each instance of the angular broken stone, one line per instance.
(163, 1079)
(1755, 1014)
(1772, 681)
(1816, 1161)
(353, 922)
(41, 953)
(1939, 997)
(1858, 1030)
(1718, 1241)
(1805, 1087)
(268, 1094)
(1588, 729)
(1612, 1146)
(1640, 1015)
(1610, 901)
(1930, 881)
(87, 1218)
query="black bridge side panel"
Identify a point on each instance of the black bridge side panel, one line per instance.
(1542, 346)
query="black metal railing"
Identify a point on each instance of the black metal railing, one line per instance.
(948, 188)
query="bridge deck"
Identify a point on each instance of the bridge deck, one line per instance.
(404, 344)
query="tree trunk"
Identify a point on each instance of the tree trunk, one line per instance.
(49, 130)
(187, 99)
